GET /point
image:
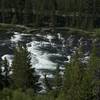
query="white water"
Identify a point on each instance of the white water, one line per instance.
(16, 37)
(39, 59)
(8, 57)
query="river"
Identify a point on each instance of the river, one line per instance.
(48, 50)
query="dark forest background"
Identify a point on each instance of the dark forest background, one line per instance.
(74, 13)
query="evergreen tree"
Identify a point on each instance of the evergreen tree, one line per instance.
(14, 19)
(47, 84)
(90, 81)
(58, 77)
(3, 10)
(1, 77)
(72, 79)
(6, 73)
(23, 74)
(58, 81)
(27, 11)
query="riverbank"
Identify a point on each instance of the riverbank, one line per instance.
(25, 29)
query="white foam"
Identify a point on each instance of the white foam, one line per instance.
(39, 35)
(23, 34)
(50, 76)
(47, 75)
(49, 37)
(16, 37)
(8, 57)
(55, 54)
(59, 35)
(42, 58)
(16, 33)
(85, 59)
(69, 59)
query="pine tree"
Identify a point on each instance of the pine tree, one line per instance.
(58, 81)
(1, 77)
(72, 79)
(23, 74)
(47, 84)
(14, 19)
(58, 77)
(89, 82)
(6, 72)
(27, 11)
(3, 10)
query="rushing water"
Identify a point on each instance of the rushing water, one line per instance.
(47, 50)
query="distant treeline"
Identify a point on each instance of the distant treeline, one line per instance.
(74, 13)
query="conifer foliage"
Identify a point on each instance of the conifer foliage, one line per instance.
(23, 74)
(6, 72)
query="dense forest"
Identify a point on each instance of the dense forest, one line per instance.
(80, 79)
(74, 13)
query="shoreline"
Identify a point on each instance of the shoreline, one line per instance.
(26, 29)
